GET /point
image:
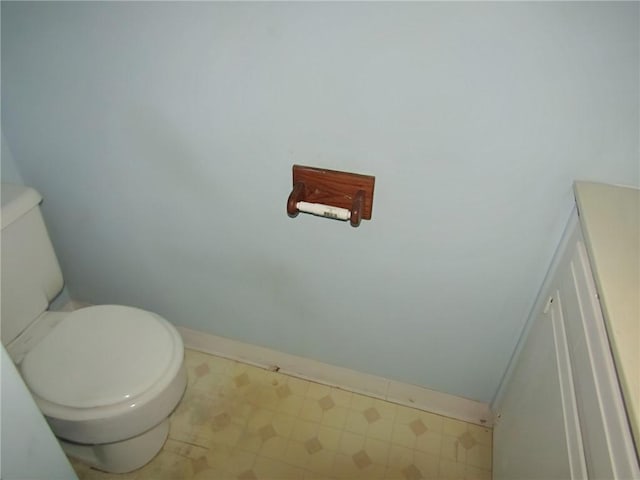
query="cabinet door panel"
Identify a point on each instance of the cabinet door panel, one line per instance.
(531, 438)
(569, 404)
(607, 442)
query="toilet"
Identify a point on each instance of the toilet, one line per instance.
(105, 377)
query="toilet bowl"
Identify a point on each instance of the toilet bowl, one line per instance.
(105, 377)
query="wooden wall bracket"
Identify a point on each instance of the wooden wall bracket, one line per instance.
(351, 191)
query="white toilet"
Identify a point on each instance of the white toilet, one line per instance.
(105, 377)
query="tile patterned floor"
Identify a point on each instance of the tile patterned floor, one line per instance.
(241, 422)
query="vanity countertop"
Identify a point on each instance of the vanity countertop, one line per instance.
(610, 219)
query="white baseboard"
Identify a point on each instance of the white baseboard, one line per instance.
(397, 392)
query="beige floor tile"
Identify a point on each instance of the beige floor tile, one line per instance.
(239, 368)
(230, 435)
(453, 427)
(473, 473)
(360, 402)
(250, 442)
(217, 364)
(479, 456)
(399, 457)
(193, 357)
(429, 442)
(261, 396)
(393, 473)
(341, 397)
(335, 417)
(269, 469)
(291, 404)
(182, 449)
(356, 422)
(350, 443)
(386, 410)
(240, 383)
(268, 378)
(374, 471)
(259, 418)
(210, 474)
(203, 372)
(427, 464)
(283, 424)
(196, 409)
(411, 472)
(311, 410)
(238, 409)
(239, 461)
(303, 430)
(403, 435)
(241, 422)
(321, 463)
(317, 391)
(406, 415)
(452, 450)
(217, 456)
(449, 470)
(377, 450)
(298, 386)
(381, 430)
(198, 435)
(297, 454)
(329, 438)
(274, 448)
(435, 423)
(210, 383)
(344, 467)
(483, 435)
(167, 466)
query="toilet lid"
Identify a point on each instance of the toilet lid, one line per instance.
(100, 356)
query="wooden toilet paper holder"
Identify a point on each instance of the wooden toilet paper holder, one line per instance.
(351, 191)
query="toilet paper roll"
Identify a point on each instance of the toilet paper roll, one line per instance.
(324, 210)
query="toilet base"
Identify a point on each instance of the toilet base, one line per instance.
(123, 456)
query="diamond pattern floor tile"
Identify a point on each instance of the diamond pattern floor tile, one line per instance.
(240, 422)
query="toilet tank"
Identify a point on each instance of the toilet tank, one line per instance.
(31, 275)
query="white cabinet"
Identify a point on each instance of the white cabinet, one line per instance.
(560, 413)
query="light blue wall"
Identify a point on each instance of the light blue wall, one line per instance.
(162, 138)
(8, 168)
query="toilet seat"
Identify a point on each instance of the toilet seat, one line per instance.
(102, 356)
